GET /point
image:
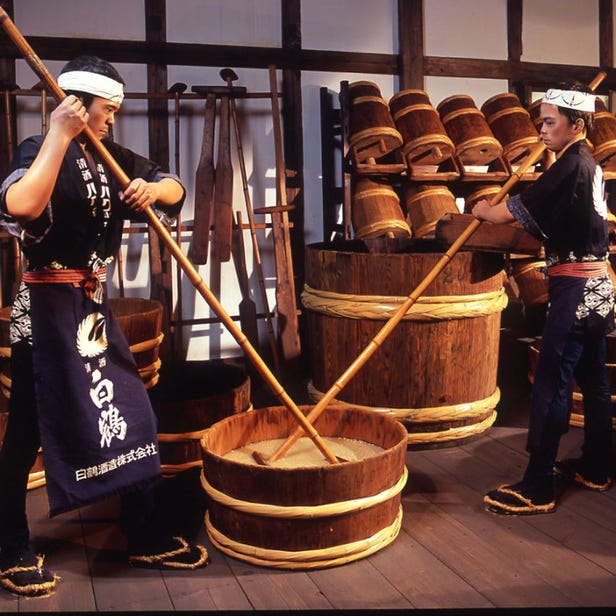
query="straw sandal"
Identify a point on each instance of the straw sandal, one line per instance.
(28, 576)
(576, 470)
(176, 553)
(523, 498)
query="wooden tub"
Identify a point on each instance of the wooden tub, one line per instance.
(303, 518)
(190, 397)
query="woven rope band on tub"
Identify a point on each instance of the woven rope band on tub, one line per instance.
(305, 559)
(304, 511)
(382, 307)
(454, 412)
(430, 414)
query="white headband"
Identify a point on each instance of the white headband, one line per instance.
(571, 99)
(92, 83)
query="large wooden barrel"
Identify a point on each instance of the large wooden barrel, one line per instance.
(577, 410)
(140, 321)
(425, 205)
(436, 373)
(376, 211)
(190, 397)
(425, 140)
(372, 131)
(469, 130)
(304, 517)
(511, 125)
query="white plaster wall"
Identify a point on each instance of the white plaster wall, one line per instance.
(563, 32)
(347, 25)
(556, 31)
(466, 28)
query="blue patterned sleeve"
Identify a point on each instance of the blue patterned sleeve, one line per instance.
(33, 231)
(522, 215)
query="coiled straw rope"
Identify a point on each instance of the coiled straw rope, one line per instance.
(382, 307)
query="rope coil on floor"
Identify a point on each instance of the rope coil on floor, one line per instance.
(305, 559)
(382, 307)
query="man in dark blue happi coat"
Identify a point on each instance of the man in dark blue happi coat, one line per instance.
(75, 388)
(566, 209)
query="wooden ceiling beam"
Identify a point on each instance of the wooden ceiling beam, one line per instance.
(195, 54)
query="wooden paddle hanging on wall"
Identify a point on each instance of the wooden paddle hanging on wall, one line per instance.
(204, 187)
(247, 307)
(223, 188)
(178, 345)
(288, 326)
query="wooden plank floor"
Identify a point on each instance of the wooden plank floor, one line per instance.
(450, 554)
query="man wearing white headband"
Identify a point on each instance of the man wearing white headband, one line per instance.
(75, 387)
(566, 209)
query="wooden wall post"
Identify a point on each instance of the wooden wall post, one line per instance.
(411, 44)
(161, 262)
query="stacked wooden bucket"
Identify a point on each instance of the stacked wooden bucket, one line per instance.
(497, 136)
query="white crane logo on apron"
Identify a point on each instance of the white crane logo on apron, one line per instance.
(92, 342)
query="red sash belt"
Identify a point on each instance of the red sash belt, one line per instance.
(89, 281)
(585, 269)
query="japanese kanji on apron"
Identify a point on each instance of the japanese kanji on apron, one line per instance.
(98, 429)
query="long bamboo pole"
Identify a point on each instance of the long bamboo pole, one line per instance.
(382, 334)
(50, 83)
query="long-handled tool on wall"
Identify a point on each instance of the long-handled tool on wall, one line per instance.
(35, 63)
(230, 76)
(288, 326)
(389, 326)
(247, 307)
(176, 89)
(223, 187)
(204, 187)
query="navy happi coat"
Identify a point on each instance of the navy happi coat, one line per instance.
(567, 210)
(98, 429)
